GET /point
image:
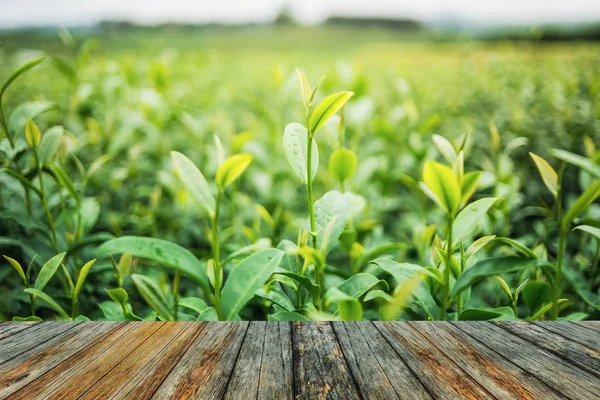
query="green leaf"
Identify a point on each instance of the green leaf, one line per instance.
(493, 266)
(469, 184)
(305, 90)
(166, 253)
(442, 183)
(33, 136)
(331, 213)
(295, 147)
(342, 164)
(194, 182)
(454, 266)
(589, 229)
(504, 286)
(26, 112)
(326, 109)
(20, 71)
(193, 303)
(153, 296)
(313, 289)
(377, 294)
(397, 270)
(232, 168)
(50, 143)
(487, 313)
(580, 285)
(549, 175)
(118, 295)
(586, 198)
(401, 298)
(544, 310)
(468, 221)
(536, 294)
(18, 267)
(584, 163)
(82, 276)
(48, 270)
(445, 148)
(49, 300)
(524, 250)
(245, 279)
(287, 316)
(210, 314)
(355, 287)
(276, 297)
(31, 318)
(63, 179)
(350, 309)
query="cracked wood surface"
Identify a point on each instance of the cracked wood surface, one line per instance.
(300, 360)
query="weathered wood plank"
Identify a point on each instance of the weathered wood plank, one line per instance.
(555, 372)
(148, 379)
(14, 345)
(204, 370)
(276, 365)
(594, 325)
(440, 375)
(320, 370)
(497, 375)
(11, 328)
(112, 383)
(34, 363)
(91, 366)
(574, 332)
(576, 353)
(245, 377)
(379, 372)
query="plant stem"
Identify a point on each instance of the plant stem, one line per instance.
(561, 243)
(595, 267)
(45, 203)
(176, 282)
(309, 192)
(216, 247)
(446, 291)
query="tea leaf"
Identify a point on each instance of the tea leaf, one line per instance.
(163, 252)
(350, 309)
(549, 175)
(50, 143)
(17, 267)
(22, 69)
(536, 294)
(486, 313)
(27, 112)
(584, 163)
(445, 148)
(194, 182)
(305, 90)
(331, 213)
(493, 266)
(313, 289)
(49, 300)
(342, 164)
(443, 184)
(193, 303)
(232, 168)
(33, 136)
(48, 270)
(82, 276)
(401, 298)
(397, 270)
(118, 295)
(287, 316)
(467, 221)
(586, 198)
(246, 278)
(469, 184)
(153, 296)
(326, 109)
(295, 146)
(589, 229)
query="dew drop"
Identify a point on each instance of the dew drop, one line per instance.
(296, 151)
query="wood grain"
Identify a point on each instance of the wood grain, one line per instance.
(312, 360)
(320, 370)
(276, 364)
(203, 372)
(439, 374)
(586, 358)
(496, 374)
(555, 372)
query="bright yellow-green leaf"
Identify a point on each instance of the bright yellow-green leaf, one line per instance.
(305, 89)
(350, 309)
(549, 175)
(469, 185)
(49, 300)
(445, 148)
(504, 286)
(232, 168)
(194, 182)
(402, 295)
(442, 182)
(326, 109)
(18, 267)
(295, 147)
(342, 164)
(582, 202)
(33, 135)
(82, 276)
(124, 266)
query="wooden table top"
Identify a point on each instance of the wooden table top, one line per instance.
(308, 360)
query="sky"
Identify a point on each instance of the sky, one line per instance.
(21, 13)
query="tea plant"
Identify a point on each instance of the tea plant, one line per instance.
(429, 208)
